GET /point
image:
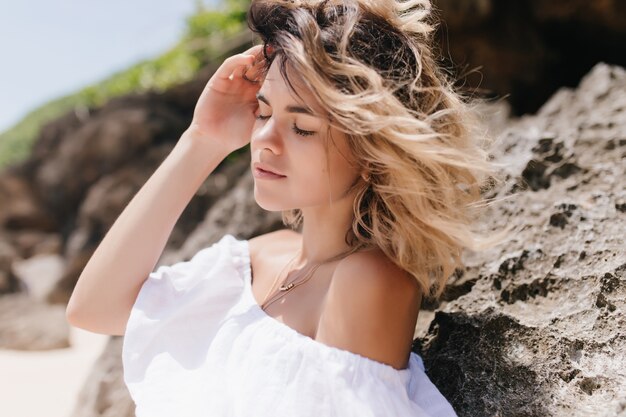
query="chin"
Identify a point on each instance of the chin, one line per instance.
(270, 204)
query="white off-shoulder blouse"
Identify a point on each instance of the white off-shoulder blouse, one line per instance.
(197, 344)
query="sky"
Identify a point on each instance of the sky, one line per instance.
(51, 48)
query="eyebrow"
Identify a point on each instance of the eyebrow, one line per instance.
(288, 109)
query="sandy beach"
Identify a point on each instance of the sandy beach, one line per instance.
(46, 384)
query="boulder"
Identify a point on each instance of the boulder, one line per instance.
(536, 326)
(29, 324)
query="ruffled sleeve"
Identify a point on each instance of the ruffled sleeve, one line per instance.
(178, 310)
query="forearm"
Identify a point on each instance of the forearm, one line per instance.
(108, 286)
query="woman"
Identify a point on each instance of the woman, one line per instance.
(358, 138)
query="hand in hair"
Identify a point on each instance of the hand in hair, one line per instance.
(224, 111)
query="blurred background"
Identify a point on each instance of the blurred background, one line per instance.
(93, 96)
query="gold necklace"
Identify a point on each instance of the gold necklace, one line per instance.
(276, 279)
(284, 289)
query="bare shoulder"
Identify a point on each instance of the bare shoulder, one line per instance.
(371, 308)
(378, 278)
(275, 237)
(374, 270)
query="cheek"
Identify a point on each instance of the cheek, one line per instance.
(315, 168)
(319, 173)
(341, 161)
(311, 175)
(341, 174)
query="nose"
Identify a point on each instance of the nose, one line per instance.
(267, 137)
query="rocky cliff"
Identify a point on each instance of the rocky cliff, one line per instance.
(537, 327)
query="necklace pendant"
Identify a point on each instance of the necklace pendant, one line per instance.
(288, 287)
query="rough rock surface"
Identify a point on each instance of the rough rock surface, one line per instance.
(104, 393)
(28, 324)
(540, 327)
(39, 274)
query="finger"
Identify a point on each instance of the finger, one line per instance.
(249, 76)
(253, 50)
(241, 73)
(256, 54)
(252, 73)
(257, 67)
(231, 63)
(259, 60)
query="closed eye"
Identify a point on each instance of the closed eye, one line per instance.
(300, 131)
(295, 128)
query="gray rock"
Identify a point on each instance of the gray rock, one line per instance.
(539, 326)
(39, 274)
(104, 393)
(236, 213)
(28, 324)
(8, 253)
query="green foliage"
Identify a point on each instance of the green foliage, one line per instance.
(204, 35)
(16, 143)
(206, 23)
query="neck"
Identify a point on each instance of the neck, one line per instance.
(324, 230)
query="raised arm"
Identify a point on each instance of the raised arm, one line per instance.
(110, 282)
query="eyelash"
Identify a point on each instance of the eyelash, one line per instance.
(293, 127)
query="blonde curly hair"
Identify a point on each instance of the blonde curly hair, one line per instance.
(370, 65)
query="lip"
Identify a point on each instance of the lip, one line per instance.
(263, 169)
(264, 175)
